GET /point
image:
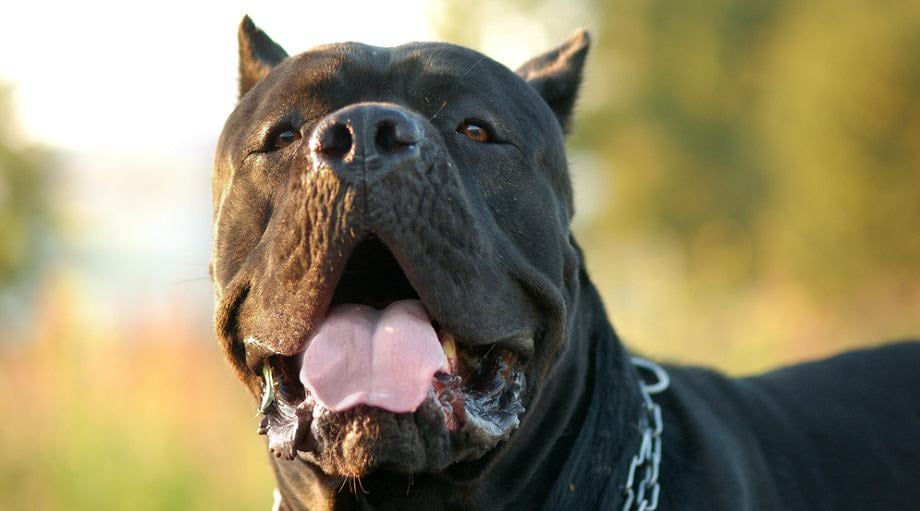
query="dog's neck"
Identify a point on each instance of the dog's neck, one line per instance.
(597, 459)
(579, 436)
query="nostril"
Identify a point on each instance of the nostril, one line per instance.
(335, 141)
(389, 138)
(386, 137)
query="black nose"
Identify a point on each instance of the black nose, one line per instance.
(373, 137)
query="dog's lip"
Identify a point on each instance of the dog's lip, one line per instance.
(522, 345)
(258, 351)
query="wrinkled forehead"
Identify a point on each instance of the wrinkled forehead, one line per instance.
(419, 75)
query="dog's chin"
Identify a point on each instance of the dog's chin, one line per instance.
(365, 440)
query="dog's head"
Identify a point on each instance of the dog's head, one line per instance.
(392, 257)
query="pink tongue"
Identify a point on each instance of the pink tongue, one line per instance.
(360, 355)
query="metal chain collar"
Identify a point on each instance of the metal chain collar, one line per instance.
(642, 494)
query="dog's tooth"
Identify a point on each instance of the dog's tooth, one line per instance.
(449, 345)
(268, 387)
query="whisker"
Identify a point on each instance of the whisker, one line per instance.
(444, 104)
(469, 69)
(186, 281)
(484, 357)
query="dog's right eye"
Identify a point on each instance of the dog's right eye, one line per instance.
(285, 138)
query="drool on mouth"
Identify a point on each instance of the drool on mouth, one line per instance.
(378, 347)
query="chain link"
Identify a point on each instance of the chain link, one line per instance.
(642, 494)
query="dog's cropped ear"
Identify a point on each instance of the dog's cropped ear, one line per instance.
(258, 54)
(556, 75)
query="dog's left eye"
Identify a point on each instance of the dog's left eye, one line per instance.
(475, 131)
(285, 138)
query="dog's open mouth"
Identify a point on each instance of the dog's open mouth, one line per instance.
(378, 355)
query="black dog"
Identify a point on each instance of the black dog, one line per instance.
(397, 281)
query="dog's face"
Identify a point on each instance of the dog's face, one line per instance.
(392, 257)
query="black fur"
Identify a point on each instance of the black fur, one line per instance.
(482, 233)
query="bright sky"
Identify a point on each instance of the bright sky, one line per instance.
(125, 76)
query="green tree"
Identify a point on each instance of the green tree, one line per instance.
(26, 209)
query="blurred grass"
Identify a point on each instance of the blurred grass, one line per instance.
(148, 417)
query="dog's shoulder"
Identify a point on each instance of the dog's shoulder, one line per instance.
(817, 430)
(889, 369)
(870, 373)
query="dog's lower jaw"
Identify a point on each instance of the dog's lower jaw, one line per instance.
(519, 475)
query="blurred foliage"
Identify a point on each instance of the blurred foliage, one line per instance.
(787, 125)
(142, 416)
(26, 220)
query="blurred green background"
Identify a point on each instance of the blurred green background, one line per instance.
(747, 181)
